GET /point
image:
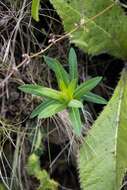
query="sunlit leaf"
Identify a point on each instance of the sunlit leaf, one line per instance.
(86, 86)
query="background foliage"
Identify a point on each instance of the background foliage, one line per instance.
(100, 27)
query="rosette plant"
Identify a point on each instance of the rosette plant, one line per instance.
(70, 95)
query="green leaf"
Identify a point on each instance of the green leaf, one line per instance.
(72, 85)
(71, 88)
(104, 33)
(103, 156)
(91, 97)
(35, 9)
(75, 103)
(62, 86)
(75, 120)
(42, 106)
(34, 169)
(86, 87)
(60, 72)
(52, 109)
(42, 91)
(73, 71)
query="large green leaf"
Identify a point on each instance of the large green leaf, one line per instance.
(35, 9)
(86, 86)
(75, 120)
(73, 70)
(42, 91)
(104, 33)
(60, 72)
(103, 156)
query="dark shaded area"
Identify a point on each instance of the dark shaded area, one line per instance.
(63, 170)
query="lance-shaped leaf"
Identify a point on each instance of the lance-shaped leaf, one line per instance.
(71, 88)
(35, 9)
(60, 72)
(42, 91)
(72, 85)
(91, 97)
(95, 27)
(75, 120)
(41, 107)
(75, 104)
(52, 109)
(86, 87)
(62, 86)
(73, 71)
(103, 156)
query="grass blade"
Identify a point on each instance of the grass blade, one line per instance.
(86, 87)
(42, 91)
(52, 109)
(35, 9)
(73, 71)
(75, 120)
(91, 97)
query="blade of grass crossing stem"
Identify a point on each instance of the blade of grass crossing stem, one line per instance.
(91, 97)
(35, 9)
(51, 110)
(86, 87)
(73, 71)
(60, 72)
(75, 120)
(41, 107)
(41, 91)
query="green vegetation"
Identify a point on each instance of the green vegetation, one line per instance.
(82, 147)
(99, 27)
(34, 169)
(70, 96)
(35, 9)
(103, 154)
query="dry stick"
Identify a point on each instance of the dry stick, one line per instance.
(27, 57)
(25, 61)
